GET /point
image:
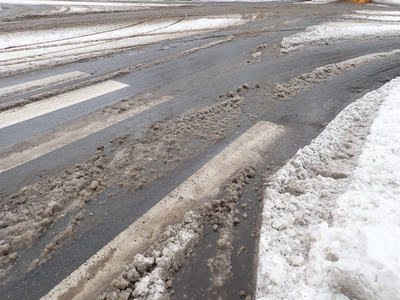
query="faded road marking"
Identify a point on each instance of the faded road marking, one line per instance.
(68, 134)
(30, 111)
(41, 83)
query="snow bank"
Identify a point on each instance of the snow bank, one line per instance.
(367, 228)
(357, 25)
(330, 226)
(382, 18)
(332, 32)
(378, 12)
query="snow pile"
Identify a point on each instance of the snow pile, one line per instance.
(304, 82)
(367, 228)
(149, 275)
(329, 232)
(368, 26)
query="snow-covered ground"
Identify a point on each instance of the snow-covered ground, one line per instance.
(82, 7)
(396, 2)
(77, 3)
(331, 225)
(23, 50)
(357, 25)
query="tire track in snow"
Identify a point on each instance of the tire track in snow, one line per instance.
(112, 75)
(28, 46)
(74, 46)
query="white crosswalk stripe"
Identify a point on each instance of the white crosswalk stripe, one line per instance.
(69, 134)
(40, 83)
(30, 111)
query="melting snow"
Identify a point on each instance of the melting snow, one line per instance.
(331, 225)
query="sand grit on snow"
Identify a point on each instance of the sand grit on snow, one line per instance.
(331, 217)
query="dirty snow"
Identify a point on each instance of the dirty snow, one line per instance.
(318, 1)
(22, 51)
(304, 82)
(383, 18)
(27, 214)
(358, 25)
(330, 226)
(150, 275)
(77, 3)
(397, 2)
(378, 12)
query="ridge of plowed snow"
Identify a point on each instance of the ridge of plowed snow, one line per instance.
(330, 225)
(358, 25)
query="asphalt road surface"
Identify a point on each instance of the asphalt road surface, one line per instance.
(137, 123)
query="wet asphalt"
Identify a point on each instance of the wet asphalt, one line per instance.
(196, 81)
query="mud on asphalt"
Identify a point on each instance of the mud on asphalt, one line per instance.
(217, 252)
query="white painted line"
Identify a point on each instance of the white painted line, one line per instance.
(30, 111)
(94, 276)
(69, 134)
(40, 83)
